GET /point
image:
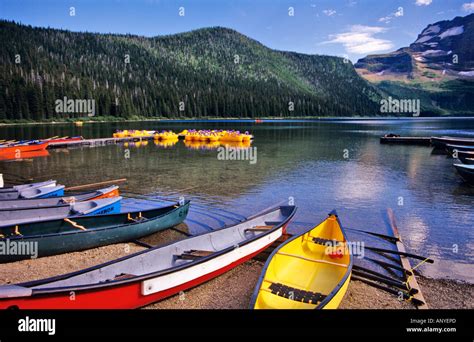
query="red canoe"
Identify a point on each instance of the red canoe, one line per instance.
(18, 149)
(153, 274)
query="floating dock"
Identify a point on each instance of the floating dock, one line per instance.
(97, 142)
(424, 141)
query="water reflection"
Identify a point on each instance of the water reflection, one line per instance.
(323, 165)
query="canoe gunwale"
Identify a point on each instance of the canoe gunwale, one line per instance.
(330, 295)
(139, 278)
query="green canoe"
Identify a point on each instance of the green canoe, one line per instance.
(38, 239)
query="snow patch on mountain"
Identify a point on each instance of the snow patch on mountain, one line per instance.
(431, 29)
(453, 31)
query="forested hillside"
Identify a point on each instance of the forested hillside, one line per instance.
(213, 72)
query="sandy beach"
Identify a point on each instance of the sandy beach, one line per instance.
(233, 289)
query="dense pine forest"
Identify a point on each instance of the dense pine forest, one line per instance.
(212, 72)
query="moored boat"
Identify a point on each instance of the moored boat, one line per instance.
(311, 270)
(84, 232)
(441, 142)
(20, 148)
(109, 192)
(38, 192)
(153, 274)
(93, 207)
(459, 148)
(466, 172)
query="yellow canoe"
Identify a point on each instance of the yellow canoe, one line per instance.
(309, 271)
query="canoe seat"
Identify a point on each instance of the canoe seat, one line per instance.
(194, 254)
(295, 294)
(259, 228)
(320, 241)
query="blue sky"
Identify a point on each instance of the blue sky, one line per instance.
(352, 28)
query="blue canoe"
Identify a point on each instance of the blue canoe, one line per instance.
(93, 207)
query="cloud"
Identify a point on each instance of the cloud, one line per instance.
(468, 7)
(423, 2)
(329, 12)
(396, 14)
(361, 40)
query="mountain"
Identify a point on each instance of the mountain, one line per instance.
(212, 72)
(438, 67)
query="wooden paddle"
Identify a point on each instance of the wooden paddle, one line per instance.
(93, 185)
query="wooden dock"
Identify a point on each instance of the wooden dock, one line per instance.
(97, 142)
(423, 141)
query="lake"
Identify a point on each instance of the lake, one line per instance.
(322, 165)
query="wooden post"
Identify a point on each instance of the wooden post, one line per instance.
(406, 262)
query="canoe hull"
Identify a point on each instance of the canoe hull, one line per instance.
(466, 173)
(128, 296)
(77, 240)
(443, 141)
(305, 272)
(18, 149)
(109, 192)
(151, 287)
(95, 207)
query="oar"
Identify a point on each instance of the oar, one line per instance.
(368, 270)
(382, 287)
(410, 255)
(389, 265)
(386, 237)
(92, 185)
(396, 284)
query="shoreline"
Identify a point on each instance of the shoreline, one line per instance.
(231, 119)
(233, 289)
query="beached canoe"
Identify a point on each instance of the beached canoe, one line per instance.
(41, 192)
(93, 207)
(109, 192)
(466, 172)
(309, 271)
(21, 187)
(153, 274)
(84, 232)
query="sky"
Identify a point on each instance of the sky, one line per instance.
(346, 28)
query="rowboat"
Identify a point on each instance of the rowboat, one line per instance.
(38, 192)
(466, 172)
(20, 148)
(441, 142)
(21, 187)
(84, 232)
(309, 271)
(109, 192)
(94, 207)
(153, 274)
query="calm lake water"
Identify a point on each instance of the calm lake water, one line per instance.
(303, 160)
